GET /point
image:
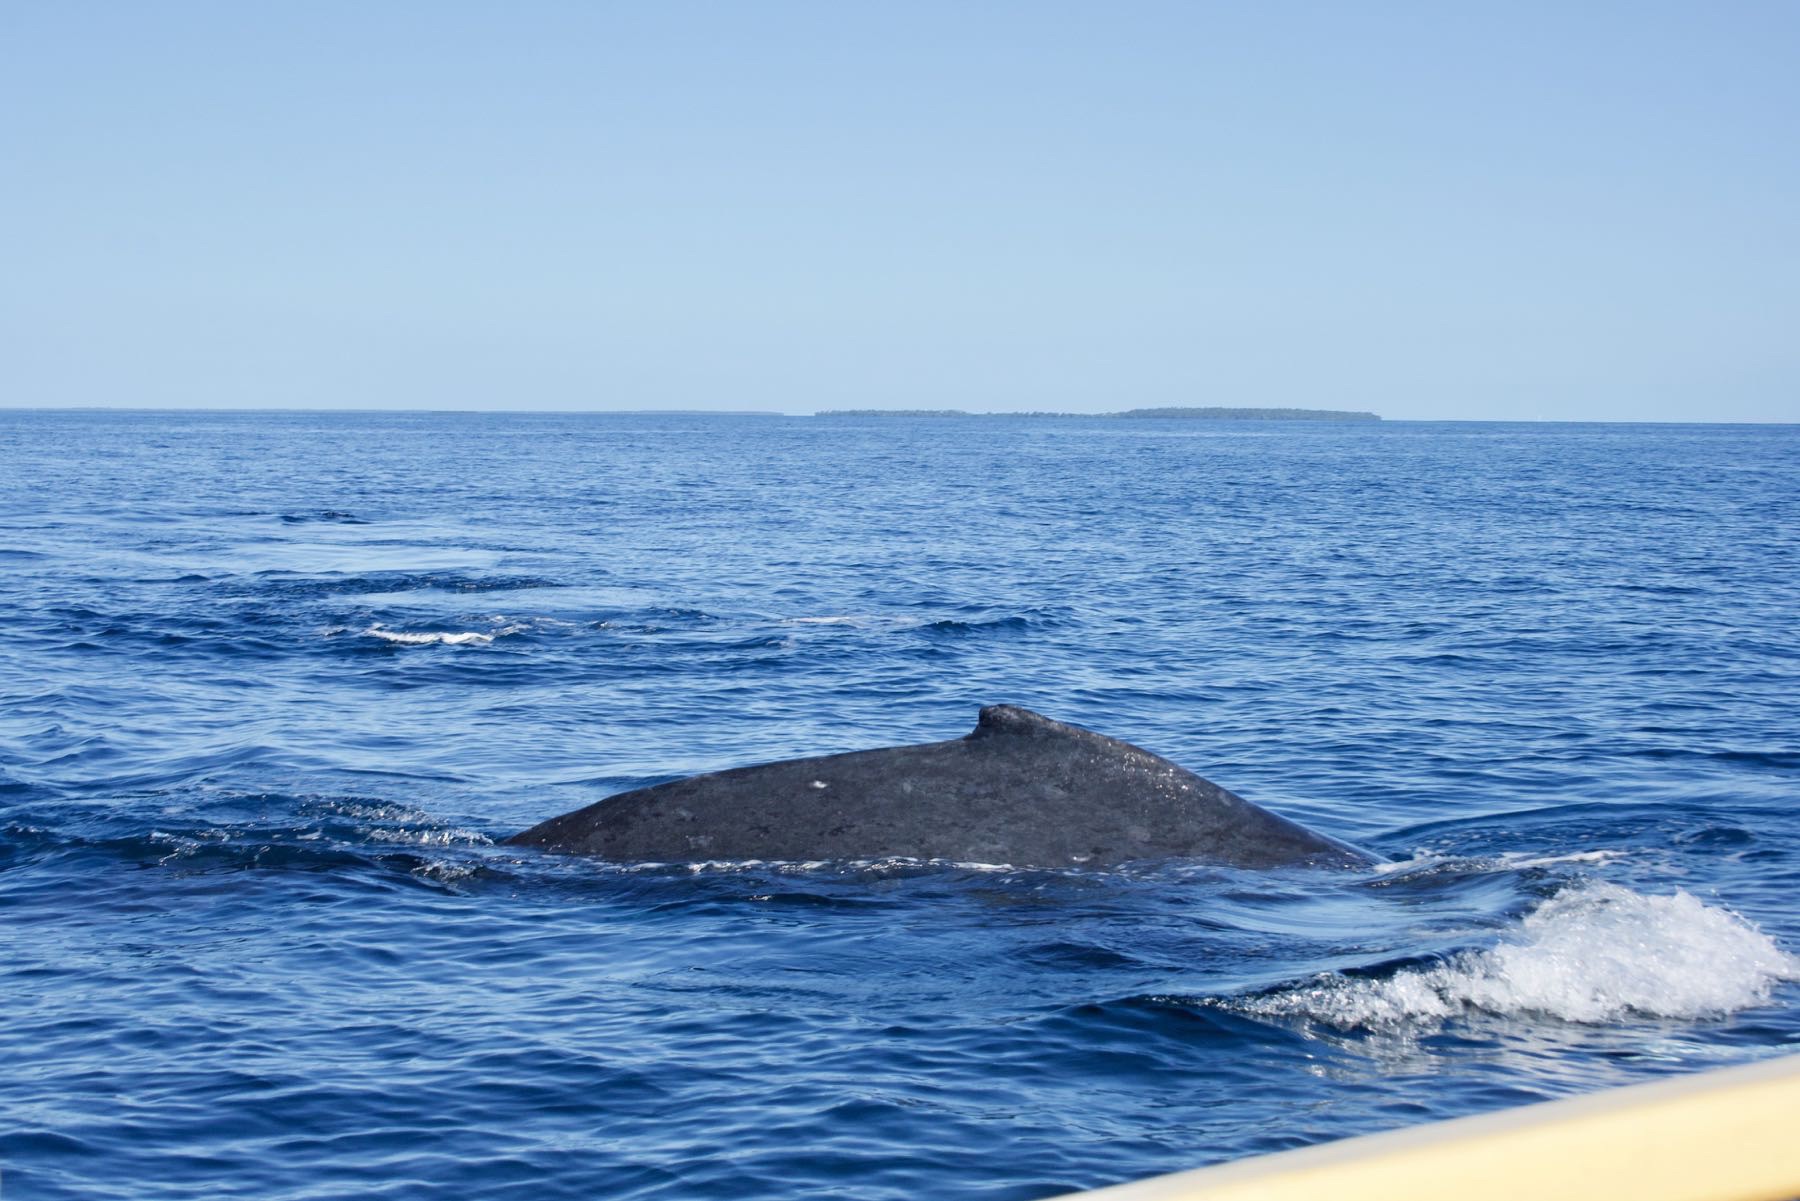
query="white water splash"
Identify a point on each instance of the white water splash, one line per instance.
(407, 638)
(442, 637)
(1598, 953)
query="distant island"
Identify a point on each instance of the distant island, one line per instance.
(1209, 413)
(1218, 414)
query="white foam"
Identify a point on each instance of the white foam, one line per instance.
(1595, 953)
(442, 637)
(1425, 861)
(432, 837)
(1513, 860)
(408, 638)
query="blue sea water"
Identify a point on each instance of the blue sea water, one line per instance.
(274, 686)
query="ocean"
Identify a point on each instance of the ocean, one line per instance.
(274, 687)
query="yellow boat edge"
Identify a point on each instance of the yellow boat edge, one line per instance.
(1730, 1134)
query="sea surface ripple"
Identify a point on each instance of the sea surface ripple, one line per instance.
(274, 687)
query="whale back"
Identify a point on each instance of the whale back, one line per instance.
(1020, 789)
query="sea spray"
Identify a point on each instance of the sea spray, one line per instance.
(1592, 953)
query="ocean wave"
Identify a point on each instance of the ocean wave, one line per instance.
(1782, 760)
(996, 622)
(956, 627)
(1593, 953)
(1433, 863)
(860, 621)
(303, 585)
(501, 629)
(430, 637)
(355, 838)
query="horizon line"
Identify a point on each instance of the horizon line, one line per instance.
(811, 413)
(701, 412)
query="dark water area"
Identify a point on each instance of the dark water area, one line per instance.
(273, 687)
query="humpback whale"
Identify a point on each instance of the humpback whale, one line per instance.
(1020, 789)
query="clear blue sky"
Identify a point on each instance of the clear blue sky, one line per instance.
(1457, 210)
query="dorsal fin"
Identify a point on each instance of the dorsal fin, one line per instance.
(1012, 719)
(1015, 721)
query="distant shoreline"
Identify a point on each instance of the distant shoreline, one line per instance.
(1177, 414)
